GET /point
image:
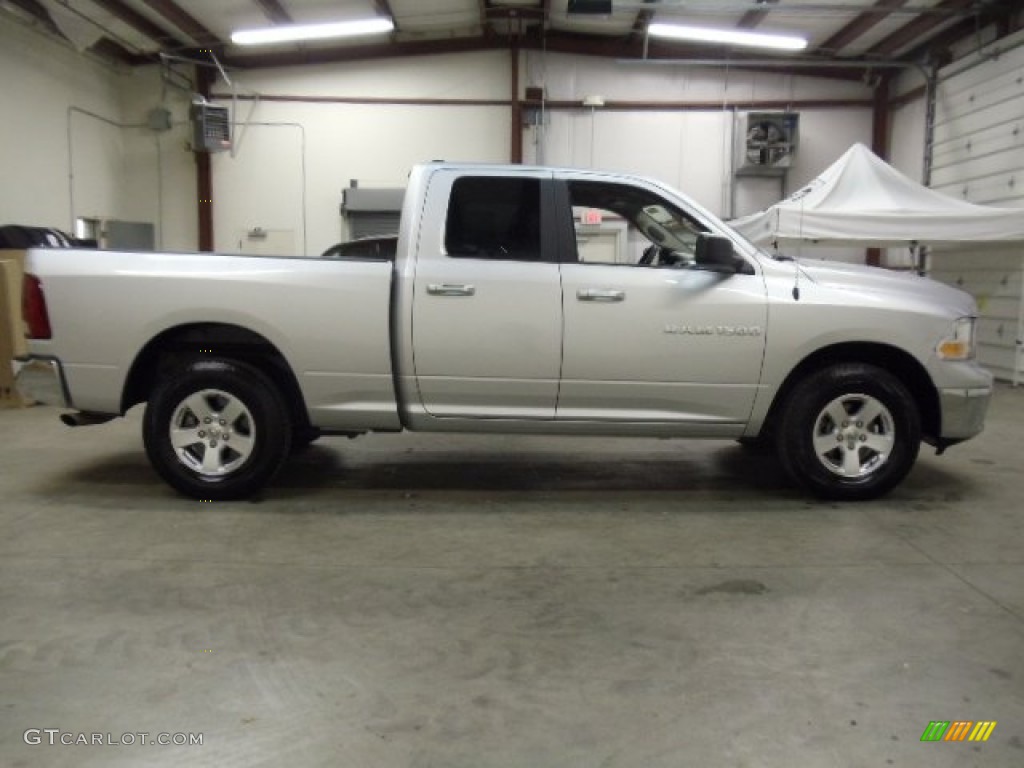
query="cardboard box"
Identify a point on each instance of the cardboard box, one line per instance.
(12, 327)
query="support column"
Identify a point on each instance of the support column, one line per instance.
(204, 177)
(516, 148)
(879, 144)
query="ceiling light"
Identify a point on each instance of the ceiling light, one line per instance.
(728, 36)
(290, 32)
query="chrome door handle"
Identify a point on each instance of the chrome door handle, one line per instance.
(594, 294)
(450, 289)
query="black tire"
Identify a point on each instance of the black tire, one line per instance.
(871, 454)
(209, 403)
(303, 438)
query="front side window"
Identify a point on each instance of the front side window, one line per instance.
(494, 217)
(620, 224)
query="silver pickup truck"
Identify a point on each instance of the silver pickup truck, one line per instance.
(526, 300)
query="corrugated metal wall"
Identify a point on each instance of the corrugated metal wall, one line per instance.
(978, 155)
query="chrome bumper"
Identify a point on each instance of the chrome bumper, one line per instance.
(42, 380)
(963, 411)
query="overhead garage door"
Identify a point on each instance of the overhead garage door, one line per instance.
(978, 156)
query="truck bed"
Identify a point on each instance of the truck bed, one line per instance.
(329, 319)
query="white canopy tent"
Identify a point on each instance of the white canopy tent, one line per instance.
(861, 200)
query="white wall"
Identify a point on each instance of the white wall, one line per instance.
(690, 148)
(74, 142)
(40, 80)
(317, 128)
(158, 177)
(312, 149)
(311, 143)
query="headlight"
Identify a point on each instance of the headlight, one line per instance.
(960, 344)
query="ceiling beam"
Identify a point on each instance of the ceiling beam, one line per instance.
(513, 12)
(104, 47)
(140, 23)
(1003, 17)
(643, 18)
(631, 47)
(184, 21)
(39, 13)
(383, 8)
(914, 32)
(364, 52)
(859, 25)
(274, 11)
(485, 23)
(110, 49)
(753, 17)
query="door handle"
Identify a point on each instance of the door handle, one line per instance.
(595, 294)
(450, 289)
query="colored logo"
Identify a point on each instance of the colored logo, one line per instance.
(958, 730)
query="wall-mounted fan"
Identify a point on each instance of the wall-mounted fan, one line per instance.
(770, 142)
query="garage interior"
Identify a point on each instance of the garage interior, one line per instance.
(453, 600)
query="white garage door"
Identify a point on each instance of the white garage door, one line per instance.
(978, 156)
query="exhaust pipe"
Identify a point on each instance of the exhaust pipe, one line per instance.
(85, 419)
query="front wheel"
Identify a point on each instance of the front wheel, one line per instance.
(217, 430)
(849, 432)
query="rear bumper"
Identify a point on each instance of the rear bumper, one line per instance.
(41, 379)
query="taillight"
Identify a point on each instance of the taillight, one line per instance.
(33, 309)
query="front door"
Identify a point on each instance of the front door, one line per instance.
(649, 337)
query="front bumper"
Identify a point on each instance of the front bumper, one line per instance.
(42, 380)
(963, 411)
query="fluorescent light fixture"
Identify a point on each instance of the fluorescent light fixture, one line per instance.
(728, 36)
(285, 33)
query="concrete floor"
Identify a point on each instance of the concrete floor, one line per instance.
(466, 602)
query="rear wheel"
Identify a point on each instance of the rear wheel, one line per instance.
(849, 432)
(302, 439)
(217, 430)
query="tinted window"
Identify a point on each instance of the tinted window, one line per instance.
(491, 217)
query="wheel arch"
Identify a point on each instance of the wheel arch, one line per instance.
(190, 341)
(896, 361)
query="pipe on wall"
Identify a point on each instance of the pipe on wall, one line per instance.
(71, 112)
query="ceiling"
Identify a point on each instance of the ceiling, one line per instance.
(851, 31)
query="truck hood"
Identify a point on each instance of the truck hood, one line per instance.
(875, 280)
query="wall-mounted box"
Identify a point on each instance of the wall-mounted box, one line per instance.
(211, 127)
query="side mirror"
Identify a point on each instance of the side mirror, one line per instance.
(714, 254)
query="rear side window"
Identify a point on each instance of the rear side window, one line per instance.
(493, 217)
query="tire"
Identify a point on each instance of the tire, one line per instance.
(217, 430)
(303, 439)
(849, 432)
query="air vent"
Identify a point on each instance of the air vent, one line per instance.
(211, 128)
(770, 141)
